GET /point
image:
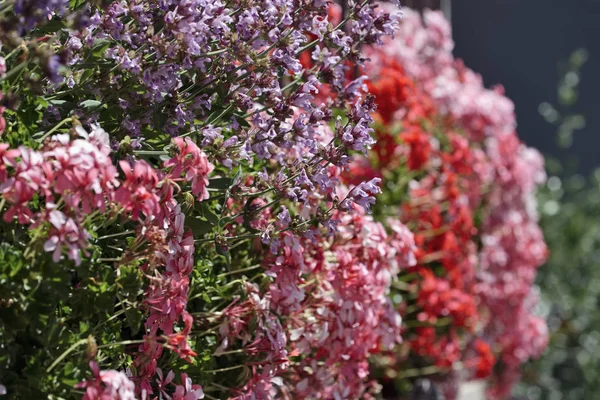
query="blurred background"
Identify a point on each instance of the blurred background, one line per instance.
(545, 53)
(526, 46)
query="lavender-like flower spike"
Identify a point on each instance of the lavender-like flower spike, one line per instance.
(362, 194)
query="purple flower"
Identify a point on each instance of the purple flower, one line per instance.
(284, 218)
(65, 233)
(52, 67)
(210, 135)
(363, 195)
(32, 12)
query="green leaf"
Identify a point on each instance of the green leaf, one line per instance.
(134, 319)
(90, 104)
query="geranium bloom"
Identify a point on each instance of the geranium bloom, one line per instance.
(107, 385)
(193, 164)
(137, 194)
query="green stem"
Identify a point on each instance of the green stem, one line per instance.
(238, 351)
(15, 70)
(248, 236)
(59, 125)
(216, 371)
(440, 322)
(109, 259)
(215, 52)
(403, 286)
(239, 271)
(150, 152)
(114, 235)
(123, 343)
(411, 373)
(66, 353)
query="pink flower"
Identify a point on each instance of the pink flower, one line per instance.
(19, 188)
(187, 391)
(343, 315)
(193, 164)
(137, 193)
(163, 382)
(7, 158)
(107, 385)
(178, 343)
(19, 194)
(81, 169)
(65, 233)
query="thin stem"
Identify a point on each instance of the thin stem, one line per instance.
(239, 271)
(123, 343)
(66, 353)
(411, 373)
(238, 351)
(15, 70)
(150, 152)
(432, 257)
(403, 286)
(248, 236)
(434, 232)
(440, 322)
(215, 52)
(59, 125)
(114, 235)
(216, 371)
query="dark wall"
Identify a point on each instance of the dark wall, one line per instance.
(519, 44)
(421, 4)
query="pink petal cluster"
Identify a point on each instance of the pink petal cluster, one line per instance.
(186, 391)
(266, 342)
(72, 178)
(331, 294)
(348, 315)
(192, 163)
(107, 385)
(137, 194)
(340, 312)
(168, 266)
(513, 245)
(75, 173)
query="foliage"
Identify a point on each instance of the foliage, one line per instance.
(569, 205)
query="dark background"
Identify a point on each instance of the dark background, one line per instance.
(519, 44)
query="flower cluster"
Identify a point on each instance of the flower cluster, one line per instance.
(346, 315)
(70, 177)
(190, 186)
(109, 384)
(470, 202)
(218, 80)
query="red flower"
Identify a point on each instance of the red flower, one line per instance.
(485, 359)
(420, 147)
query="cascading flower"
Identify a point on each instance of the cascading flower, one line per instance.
(193, 164)
(264, 213)
(471, 199)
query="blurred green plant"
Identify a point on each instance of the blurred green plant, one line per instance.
(570, 281)
(560, 115)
